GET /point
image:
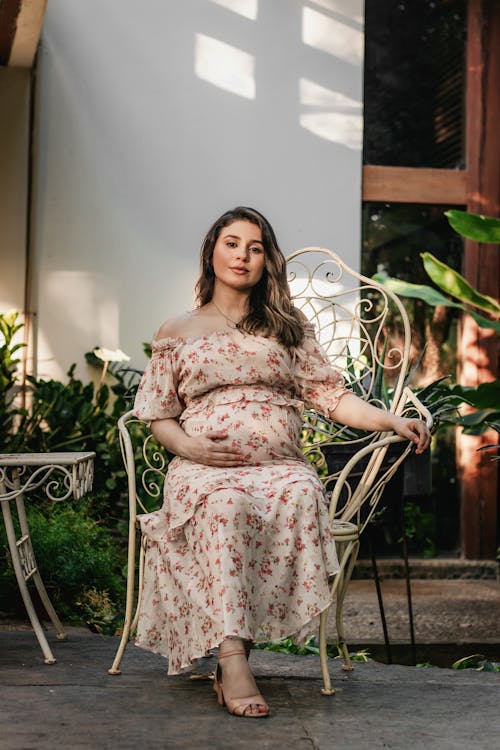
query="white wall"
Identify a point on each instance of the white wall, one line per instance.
(154, 117)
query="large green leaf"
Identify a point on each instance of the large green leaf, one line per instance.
(453, 283)
(425, 293)
(485, 322)
(477, 422)
(478, 228)
(485, 396)
(431, 297)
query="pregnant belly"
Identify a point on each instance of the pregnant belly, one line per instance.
(263, 431)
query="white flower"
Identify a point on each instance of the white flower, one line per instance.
(111, 355)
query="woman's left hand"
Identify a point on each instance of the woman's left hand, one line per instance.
(415, 430)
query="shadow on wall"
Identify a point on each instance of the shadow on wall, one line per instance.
(152, 122)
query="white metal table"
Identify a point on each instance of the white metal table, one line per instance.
(63, 474)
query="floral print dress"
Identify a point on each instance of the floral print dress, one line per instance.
(245, 551)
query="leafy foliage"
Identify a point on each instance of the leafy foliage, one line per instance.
(287, 646)
(9, 326)
(457, 286)
(477, 662)
(485, 398)
(71, 551)
(75, 547)
(479, 228)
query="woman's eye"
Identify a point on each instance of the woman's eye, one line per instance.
(231, 244)
(257, 250)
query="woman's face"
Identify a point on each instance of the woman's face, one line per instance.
(239, 258)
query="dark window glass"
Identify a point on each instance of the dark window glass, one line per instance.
(414, 83)
(394, 235)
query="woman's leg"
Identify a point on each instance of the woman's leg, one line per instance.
(236, 680)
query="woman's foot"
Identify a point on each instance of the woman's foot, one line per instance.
(235, 684)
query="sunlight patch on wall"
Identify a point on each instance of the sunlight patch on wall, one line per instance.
(332, 36)
(352, 9)
(335, 126)
(247, 8)
(225, 66)
(335, 116)
(312, 94)
(89, 308)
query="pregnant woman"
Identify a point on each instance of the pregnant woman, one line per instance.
(241, 551)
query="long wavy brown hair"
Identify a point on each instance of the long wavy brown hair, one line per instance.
(271, 310)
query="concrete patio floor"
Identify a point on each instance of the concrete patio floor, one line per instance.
(75, 705)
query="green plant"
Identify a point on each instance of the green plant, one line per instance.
(98, 611)
(9, 326)
(421, 529)
(72, 551)
(72, 415)
(287, 646)
(459, 294)
(477, 662)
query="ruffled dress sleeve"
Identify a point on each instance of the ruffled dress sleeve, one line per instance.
(319, 385)
(157, 396)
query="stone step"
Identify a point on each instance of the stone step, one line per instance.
(434, 568)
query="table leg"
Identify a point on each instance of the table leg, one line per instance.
(21, 582)
(30, 566)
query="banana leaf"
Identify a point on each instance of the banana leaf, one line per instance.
(454, 284)
(475, 227)
(484, 396)
(427, 294)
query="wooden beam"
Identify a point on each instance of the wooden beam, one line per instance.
(29, 28)
(479, 350)
(9, 11)
(410, 185)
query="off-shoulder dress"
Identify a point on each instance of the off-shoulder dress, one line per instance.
(245, 551)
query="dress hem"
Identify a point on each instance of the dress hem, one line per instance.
(298, 636)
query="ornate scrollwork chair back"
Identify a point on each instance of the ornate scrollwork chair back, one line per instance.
(365, 331)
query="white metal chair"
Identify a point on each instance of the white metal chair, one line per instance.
(352, 315)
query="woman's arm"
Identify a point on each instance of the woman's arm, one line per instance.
(354, 412)
(201, 449)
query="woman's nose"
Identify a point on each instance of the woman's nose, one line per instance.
(242, 253)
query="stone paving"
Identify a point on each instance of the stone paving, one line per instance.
(75, 705)
(462, 613)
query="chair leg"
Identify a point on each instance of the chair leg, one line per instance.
(347, 553)
(339, 618)
(142, 559)
(327, 683)
(129, 605)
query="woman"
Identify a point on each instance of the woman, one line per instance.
(242, 549)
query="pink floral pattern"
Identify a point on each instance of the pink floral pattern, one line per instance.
(244, 551)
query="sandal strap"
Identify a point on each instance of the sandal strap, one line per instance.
(241, 708)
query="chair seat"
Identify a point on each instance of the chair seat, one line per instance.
(345, 530)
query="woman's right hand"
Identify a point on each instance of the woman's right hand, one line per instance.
(209, 450)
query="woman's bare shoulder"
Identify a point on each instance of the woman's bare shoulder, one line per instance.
(181, 326)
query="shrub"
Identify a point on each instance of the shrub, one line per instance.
(72, 553)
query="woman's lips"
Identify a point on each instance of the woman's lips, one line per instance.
(239, 271)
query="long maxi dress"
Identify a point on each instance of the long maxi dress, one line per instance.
(245, 551)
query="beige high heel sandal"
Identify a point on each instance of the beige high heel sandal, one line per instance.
(238, 706)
